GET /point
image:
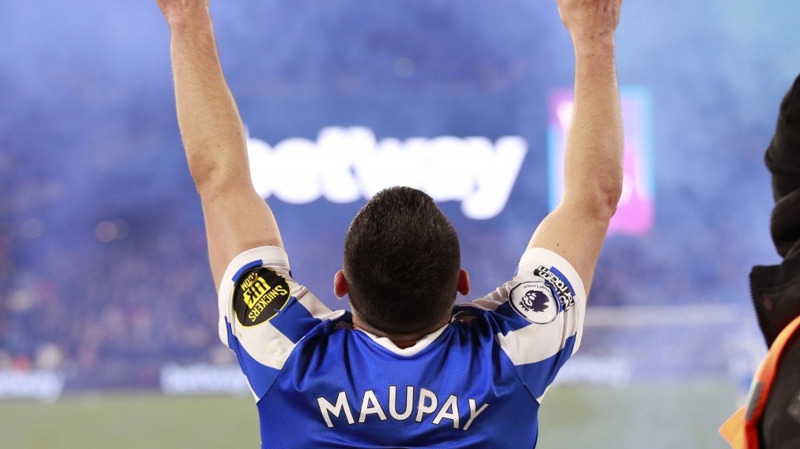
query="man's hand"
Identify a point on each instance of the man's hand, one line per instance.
(174, 10)
(590, 19)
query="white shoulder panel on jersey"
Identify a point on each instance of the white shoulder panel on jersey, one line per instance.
(315, 307)
(560, 314)
(261, 340)
(534, 343)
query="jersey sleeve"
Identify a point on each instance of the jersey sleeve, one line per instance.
(538, 317)
(264, 313)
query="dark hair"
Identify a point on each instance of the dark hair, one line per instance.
(401, 261)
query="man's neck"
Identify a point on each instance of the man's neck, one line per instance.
(402, 341)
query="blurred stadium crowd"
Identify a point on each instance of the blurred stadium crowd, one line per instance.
(110, 318)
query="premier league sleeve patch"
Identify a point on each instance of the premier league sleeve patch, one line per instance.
(258, 295)
(534, 301)
(541, 298)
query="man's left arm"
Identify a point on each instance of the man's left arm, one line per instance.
(576, 228)
(236, 217)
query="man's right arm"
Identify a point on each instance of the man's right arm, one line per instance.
(236, 217)
(577, 227)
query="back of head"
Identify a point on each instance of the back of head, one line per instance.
(401, 262)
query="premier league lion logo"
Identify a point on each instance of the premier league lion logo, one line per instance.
(534, 301)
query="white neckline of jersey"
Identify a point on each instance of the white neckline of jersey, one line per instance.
(421, 344)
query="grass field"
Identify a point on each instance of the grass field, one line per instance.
(679, 416)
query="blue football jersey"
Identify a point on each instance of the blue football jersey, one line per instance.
(475, 383)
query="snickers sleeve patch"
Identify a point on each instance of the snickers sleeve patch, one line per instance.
(259, 293)
(245, 280)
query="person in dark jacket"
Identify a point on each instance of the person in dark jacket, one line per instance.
(776, 288)
(771, 419)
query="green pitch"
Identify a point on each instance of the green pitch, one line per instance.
(676, 416)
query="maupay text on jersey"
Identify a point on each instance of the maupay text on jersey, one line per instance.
(426, 405)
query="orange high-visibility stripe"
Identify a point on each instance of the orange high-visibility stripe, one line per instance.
(741, 429)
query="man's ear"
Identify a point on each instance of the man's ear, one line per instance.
(463, 282)
(339, 285)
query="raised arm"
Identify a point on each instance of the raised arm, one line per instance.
(593, 165)
(236, 217)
